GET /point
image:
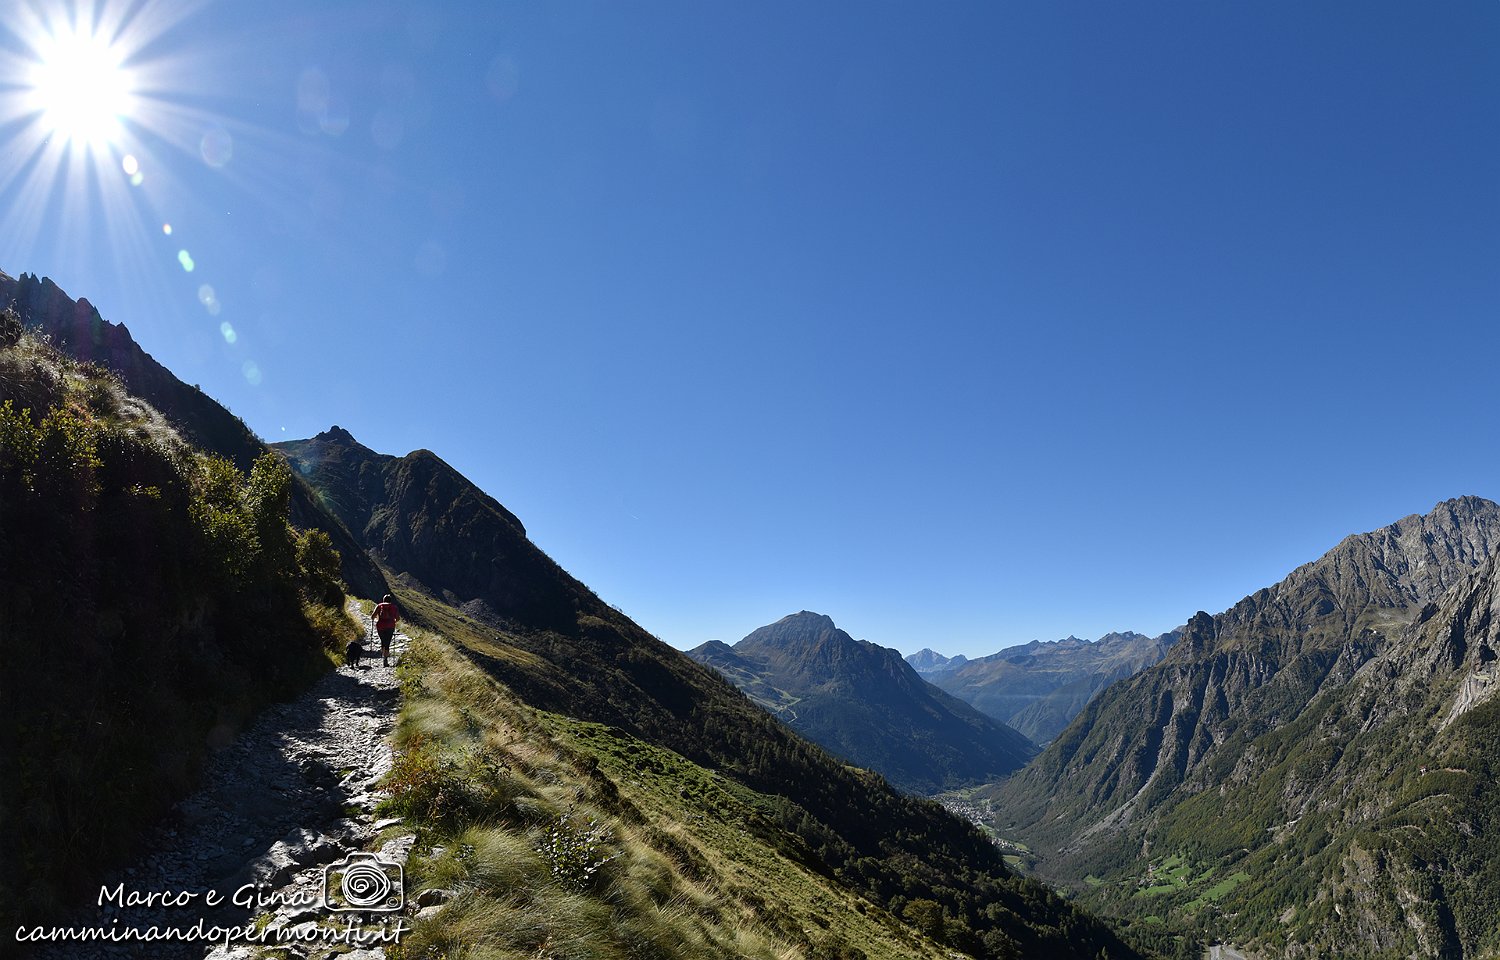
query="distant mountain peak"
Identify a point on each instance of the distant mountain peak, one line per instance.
(866, 704)
(928, 660)
(808, 618)
(336, 434)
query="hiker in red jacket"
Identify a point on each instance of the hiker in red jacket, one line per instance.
(385, 617)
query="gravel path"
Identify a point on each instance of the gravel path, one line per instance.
(294, 794)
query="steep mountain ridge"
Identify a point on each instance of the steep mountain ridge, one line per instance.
(1267, 747)
(77, 329)
(425, 521)
(558, 647)
(1039, 687)
(864, 702)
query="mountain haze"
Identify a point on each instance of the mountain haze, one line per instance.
(1039, 687)
(864, 703)
(927, 661)
(1306, 771)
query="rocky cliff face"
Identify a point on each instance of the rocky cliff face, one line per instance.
(1281, 740)
(77, 329)
(865, 703)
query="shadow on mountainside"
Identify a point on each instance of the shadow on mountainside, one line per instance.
(292, 794)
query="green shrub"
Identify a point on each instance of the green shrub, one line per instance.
(576, 850)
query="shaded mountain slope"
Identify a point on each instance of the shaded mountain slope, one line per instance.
(78, 330)
(1262, 765)
(556, 645)
(864, 703)
(128, 561)
(423, 519)
(1039, 687)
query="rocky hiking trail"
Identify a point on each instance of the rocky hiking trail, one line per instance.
(295, 792)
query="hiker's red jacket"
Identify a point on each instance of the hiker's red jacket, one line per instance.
(386, 616)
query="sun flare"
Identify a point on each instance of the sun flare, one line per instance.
(81, 88)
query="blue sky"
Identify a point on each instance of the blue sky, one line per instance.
(965, 324)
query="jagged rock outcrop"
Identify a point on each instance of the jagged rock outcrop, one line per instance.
(865, 703)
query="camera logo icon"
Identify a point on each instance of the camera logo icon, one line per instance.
(365, 882)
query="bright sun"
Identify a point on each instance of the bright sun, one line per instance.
(81, 89)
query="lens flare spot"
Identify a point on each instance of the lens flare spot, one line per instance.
(227, 330)
(130, 165)
(137, 178)
(216, 147)
(251, 372)
(186, 259)
(335, 118)
(312, 99)
(209, 299)
(166, 229)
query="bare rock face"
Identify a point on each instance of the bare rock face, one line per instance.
(928, 661)
(1276, 738)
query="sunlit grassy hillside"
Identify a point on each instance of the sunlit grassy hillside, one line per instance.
(564, 838)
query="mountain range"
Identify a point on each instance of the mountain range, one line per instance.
(550, 657)
(1312, 772)
(1039, 687)
(466, 566)
(1309, 772)
(864, 703)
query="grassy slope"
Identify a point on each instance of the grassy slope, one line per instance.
(793, 846)
(696, 869)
